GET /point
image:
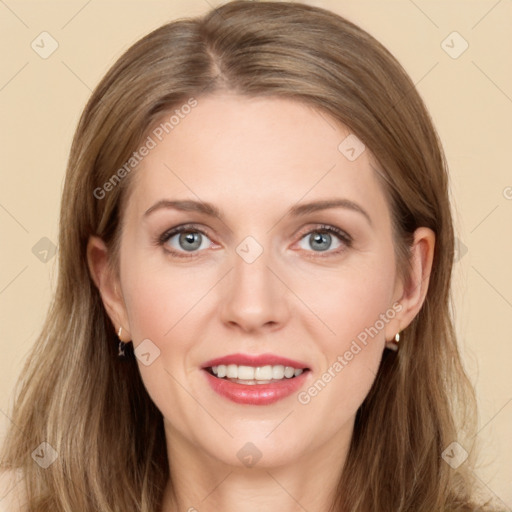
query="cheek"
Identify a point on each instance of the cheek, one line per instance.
(167, 306)
(148, 304)
(351, 353)
(161, 306)
(160, 297)
(353, 308)
(349, 301)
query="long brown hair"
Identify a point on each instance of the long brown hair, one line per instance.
(93, 409)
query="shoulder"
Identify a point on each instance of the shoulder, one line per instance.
(12, 492)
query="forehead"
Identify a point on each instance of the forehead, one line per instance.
(254, 154)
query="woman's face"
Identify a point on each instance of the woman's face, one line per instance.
(268, 277)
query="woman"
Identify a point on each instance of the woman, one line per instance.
(252, 306)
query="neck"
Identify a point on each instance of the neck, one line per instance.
(200, 483)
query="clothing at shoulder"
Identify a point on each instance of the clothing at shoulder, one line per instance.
(11, 492)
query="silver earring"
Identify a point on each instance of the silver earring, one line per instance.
(121, 353)
(393, 345)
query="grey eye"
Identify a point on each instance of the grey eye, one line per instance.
(188, 241)
(319, 241)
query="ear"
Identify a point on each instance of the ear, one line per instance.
(108, 285)
(411, 295)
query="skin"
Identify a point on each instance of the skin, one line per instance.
(255, 158)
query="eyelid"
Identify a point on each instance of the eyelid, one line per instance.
(169, 233)
(325, 227)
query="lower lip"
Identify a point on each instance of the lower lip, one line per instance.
(256, 394)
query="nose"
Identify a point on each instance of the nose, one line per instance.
(254, 297)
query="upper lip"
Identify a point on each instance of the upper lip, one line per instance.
(254, 360)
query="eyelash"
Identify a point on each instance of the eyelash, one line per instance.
(342, 236)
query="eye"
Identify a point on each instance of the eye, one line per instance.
(325, 239)
(185, 239)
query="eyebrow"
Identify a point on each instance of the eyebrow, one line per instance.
(298, 210)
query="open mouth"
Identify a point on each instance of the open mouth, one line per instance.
(255, 375)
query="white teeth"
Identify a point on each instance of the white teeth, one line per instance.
(278, 371)
(246, 372)
(232, 371)
(261, 374)
(289, 372)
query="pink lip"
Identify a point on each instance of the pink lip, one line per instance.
(253, 360)
(257, 394)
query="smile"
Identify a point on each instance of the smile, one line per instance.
(255, 380)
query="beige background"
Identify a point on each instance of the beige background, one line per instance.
(469, 97)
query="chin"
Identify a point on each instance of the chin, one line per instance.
(259, 450)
